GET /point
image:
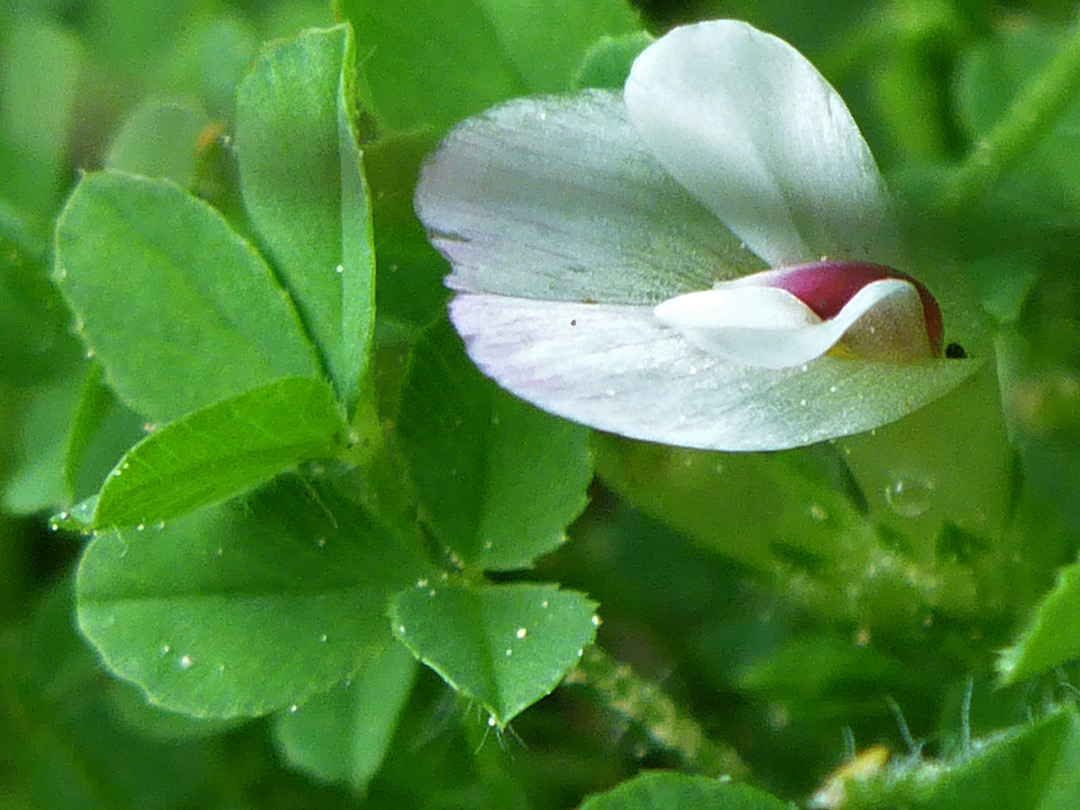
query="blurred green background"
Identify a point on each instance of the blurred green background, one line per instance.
(697, 595)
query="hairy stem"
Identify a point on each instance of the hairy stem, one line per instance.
(639, 701)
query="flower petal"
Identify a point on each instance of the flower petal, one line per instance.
(770, 328)
(617, 368)
(558, 198)
(750, 127)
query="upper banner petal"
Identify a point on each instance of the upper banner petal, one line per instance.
(558, 198)
(750, 127)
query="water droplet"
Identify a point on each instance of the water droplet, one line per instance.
(817, 512)
(421, 583)
(509, 653)
(141, 527)
(596, 620)
(487, 544)
(909, 496)
(832, 389)
(220, 551)
(165, 648)
(323, 638)
(802, 402)
(544, 604)
(521, 632)
(491, 720)
(339, 269)
(322, 542)
(160, 525)
(401, 629)
(186, 662)
(294, 709)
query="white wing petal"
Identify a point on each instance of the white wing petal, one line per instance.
(617, 368)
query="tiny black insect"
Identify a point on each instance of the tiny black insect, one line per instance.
(954, 351)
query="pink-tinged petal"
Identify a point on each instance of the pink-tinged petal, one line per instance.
(768, 327)
(750, 128)
(618, 368)
(827, 286)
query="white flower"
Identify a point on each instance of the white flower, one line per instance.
(611, 253)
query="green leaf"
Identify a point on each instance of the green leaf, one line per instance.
(74, 751)
(34, 323)
(989, 79)
(664, 790)
(220, 451)
(497, 479)
(1032, 767)
(504, 646)
(1051, 638)
(34, 471)
(209, 56)
(434, 62)
(40, 66)
(102, 430)
(304, 189)
(243, 608)
(410, 273)
(179, 310)
(607, 62)
(342, 735)
(159, 139)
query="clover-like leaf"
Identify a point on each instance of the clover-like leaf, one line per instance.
(665, 790)
(180, 311)
(241, 609)
(498, 480)
(303, 184)
(220, 451)
(342, 734)
(504, 646)
(1050, 639)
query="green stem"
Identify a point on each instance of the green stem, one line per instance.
(1033, 112)
(625, 692)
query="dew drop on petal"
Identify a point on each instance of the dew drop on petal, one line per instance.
(909, 496)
